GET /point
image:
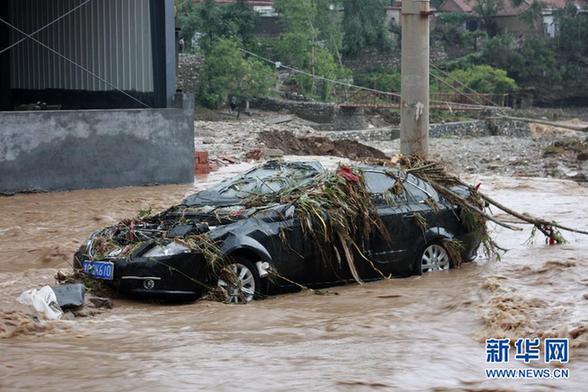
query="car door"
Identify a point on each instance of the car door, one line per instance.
(418, 218)
(406, 214)
(386, 248)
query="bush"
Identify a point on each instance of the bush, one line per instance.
(228, 72)
(534, 60)
(483, 79)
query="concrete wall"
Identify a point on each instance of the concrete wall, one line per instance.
(64, 150)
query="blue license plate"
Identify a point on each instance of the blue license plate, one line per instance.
(99, 269)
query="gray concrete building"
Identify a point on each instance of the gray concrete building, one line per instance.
(88, 96)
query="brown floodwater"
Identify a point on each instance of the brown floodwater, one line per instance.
(418, 333)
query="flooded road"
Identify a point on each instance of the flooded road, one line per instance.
(418, 333)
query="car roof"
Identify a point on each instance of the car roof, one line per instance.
(316, 165)
(377, 168)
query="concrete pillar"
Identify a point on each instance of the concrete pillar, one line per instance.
(163, 51)
(170, 51)
(414, 104)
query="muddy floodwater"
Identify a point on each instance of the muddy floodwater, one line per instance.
(418, 333)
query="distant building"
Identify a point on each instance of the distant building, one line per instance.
(268, 22)
(509, 17)
(393, 13)
(262, 7)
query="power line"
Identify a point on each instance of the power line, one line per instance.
(47, 25)
(74, 63)
(458, 91)
(448, 76)
(279, 64)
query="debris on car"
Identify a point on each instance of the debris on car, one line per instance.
(287, 224)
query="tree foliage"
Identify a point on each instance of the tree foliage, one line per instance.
(209, 21)
(364, 24)
(573, 32)
(533, 60)
(384, 80)
(483, 79)
(310, 43)
(228, 72)
(487, 10)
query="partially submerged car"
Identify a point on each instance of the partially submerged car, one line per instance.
(255, 234)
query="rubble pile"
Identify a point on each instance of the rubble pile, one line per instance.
(519, 154)
(318, 145)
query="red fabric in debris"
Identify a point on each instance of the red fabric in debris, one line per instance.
(347, 173)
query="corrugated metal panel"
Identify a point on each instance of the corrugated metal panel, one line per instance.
(112, 38)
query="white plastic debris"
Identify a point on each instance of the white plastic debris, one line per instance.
(43, 300)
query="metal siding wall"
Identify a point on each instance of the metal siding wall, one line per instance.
(112, 38)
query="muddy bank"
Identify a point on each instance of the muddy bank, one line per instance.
(419, 333)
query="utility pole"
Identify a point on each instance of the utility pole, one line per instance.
(414, 103)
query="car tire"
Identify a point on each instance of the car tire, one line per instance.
(242, 284)
(433, 258)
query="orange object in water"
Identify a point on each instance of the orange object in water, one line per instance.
(201, 164)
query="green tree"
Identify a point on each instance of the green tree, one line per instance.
(188, 21)
(487, 10)
(228, 72)
(298, 15)
(209, 14)
(305, 46)
(328, 24)
(384, 80)
(483, 79)
(572, 37)
(535, 60)
(533, 15)
(212, 21)
(364, 24)
(239, 21)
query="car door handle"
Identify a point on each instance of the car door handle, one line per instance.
(409, 216)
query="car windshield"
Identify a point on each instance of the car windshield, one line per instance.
(269, 178)
(415, 189)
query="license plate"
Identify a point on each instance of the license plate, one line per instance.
(99, 269)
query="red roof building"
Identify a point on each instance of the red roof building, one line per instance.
(508, 17)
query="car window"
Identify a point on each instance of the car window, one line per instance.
(377, 182)
(414, 194)
(419, 189)
(415, 189)
(265, 181)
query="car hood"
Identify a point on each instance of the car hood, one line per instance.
(211, 198)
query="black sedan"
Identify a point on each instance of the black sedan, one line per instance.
(266, 250)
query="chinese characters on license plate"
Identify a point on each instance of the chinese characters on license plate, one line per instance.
(99, 269)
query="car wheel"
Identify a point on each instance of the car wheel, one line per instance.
(434, 258)
(239, 281)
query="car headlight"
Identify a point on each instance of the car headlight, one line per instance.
(171, 249)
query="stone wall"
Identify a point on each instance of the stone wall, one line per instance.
(318, 112)
(465, 128)
(64, 150)
(375, 59)
(478, 128)
(370, 135)
(188, 72)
